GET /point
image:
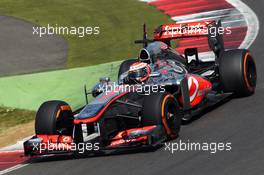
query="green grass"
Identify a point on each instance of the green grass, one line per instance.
(25, 93)
(29, 91)
(10, 117)
(120, 23)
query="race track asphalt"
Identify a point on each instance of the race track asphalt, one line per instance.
(22, 52)
(239, 121)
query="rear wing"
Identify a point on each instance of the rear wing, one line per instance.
(211, 29)
(168, 32)
(182, 30)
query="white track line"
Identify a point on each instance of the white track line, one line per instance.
(210, 15)
(251, 20)
(202, 14)
(230, 17)
(11, 151)
(13, 168)
(240, 16)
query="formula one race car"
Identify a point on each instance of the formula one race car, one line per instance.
(154, 93)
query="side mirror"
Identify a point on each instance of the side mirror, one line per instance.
(101, 86)
(104, 80)
(97, 89)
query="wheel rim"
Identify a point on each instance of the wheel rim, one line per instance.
(251, 72)
(170, 114)
(64, 123)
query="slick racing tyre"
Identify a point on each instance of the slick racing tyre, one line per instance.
(237, 71)
(125, 65)
(54, 117)
(162, 109)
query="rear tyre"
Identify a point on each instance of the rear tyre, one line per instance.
(162, 109)
(125, 65)
(238, 73)
(54, 117)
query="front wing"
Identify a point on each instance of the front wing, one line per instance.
(151, 136)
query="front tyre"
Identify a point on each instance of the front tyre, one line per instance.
(54, 117)
(162, 109)
(237, 71)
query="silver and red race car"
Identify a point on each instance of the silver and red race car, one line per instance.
(153, 95)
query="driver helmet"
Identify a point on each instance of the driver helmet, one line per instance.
(139, 72)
